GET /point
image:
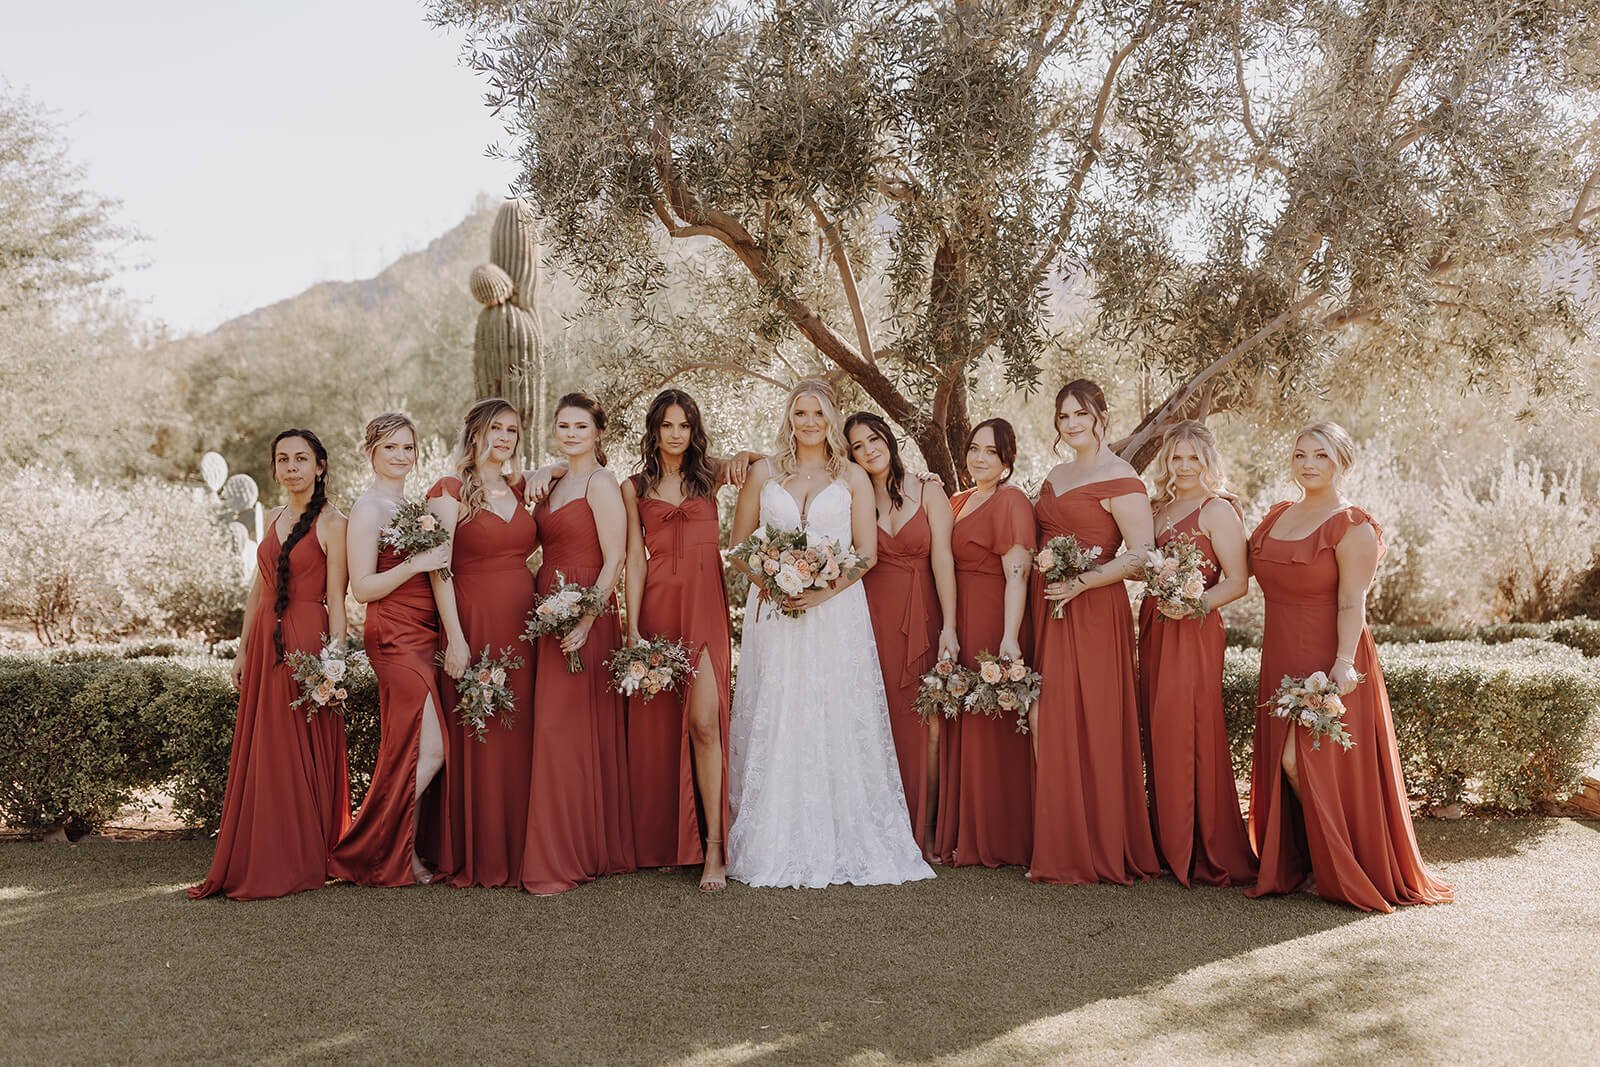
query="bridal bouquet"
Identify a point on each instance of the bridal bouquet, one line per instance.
(651, 667)
(1314, 703)
(1002, 686)
(792, 561)
(1061, 558)
(942, 690)
(558, 614)
(414, 529)
(1175, 575)
(321, 677)
(482, 693)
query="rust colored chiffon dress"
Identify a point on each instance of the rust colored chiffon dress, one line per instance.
(985, 795)
(1090, 819)
(402, 639)
(288, 794)
(1350, 825)
(906, 618)
(486, 792)
(1194, 804)
(684, 600)
(580, 820)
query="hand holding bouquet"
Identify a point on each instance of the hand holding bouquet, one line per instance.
(414, 529)
(1176, 576)
(1314, 703)
(789, 562)
(1002, 686)
(559, 613)
(942, 690)
(323, 677)
(482, 693)
(649, 667)
(1061, 559)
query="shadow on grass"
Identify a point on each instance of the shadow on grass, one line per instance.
(1457, 840)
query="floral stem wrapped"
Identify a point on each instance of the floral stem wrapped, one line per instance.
(1313, 702)
(942, 690)
(1064, 557)
(560, 611)
(323, 677)
(482, 693)
(414, 529)
(651, 667)
(789, 562)
(1002, 686)
(1175, 575)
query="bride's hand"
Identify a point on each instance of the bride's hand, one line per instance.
(807, 600)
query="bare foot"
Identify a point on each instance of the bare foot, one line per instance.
(714, 877)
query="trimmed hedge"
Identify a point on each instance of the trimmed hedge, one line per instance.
(1582, 634)
(81, 730)
(1515, 724)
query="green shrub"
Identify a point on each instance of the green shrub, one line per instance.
(1517, 723)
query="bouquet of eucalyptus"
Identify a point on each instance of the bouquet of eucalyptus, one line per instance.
(558, 613)
(1061, 558)
(482, 693)
(414, 529)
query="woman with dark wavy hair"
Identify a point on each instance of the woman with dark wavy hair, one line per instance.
(288, 795)
(911, 595)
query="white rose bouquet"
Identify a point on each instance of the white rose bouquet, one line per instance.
(559, 613)
(1175, 575)
(323, 677)
(1313, 702)
(792, 561)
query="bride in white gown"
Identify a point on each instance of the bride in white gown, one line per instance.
(813, 783)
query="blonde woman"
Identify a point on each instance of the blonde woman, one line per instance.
(1331, 818)
(813, 781)
(1194, 804)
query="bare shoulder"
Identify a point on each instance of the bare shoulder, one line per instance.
(1361, 536)
(1218, 514)
(934, 496)
(629, 493)
(1117, 467)
(332, 520)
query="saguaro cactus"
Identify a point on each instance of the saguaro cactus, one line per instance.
(508, 347)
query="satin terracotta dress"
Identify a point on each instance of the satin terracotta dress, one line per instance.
(1194, 804)
(288, 795)
(580, 818)
(485, 812)
(1350, 824)
(906, 618)
(685, 600)
(402, 638)
(985, 795)
(1090, 819)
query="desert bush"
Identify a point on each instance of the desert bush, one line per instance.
(1515, 725)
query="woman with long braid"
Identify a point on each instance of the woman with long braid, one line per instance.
(288, 795)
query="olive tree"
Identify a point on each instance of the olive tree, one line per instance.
(1248, 195)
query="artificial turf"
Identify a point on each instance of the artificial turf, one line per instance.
(102, 959)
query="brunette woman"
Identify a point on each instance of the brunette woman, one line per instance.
(1090, 819)
(484, 606)
(580, 820)
(1338, 815)
(985, 804)
(677, 744)
(1194, 805)
(288, 794)
(402, 639)
(911, 594)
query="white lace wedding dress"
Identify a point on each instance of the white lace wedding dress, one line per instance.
(812, 777)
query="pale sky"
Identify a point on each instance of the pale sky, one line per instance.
(260, 147)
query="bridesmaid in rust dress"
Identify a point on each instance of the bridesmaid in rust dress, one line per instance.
(288, 794)
(985, 803)
(402, 639)
(677, 748)
(580, 820)
(485, 606)
(1339, 815)
(911, 594)
(1091, 822)
(1194, 804)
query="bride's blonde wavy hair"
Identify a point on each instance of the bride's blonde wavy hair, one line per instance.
(787, 457)
(1213, 475)
(472, 444)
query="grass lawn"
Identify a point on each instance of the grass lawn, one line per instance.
(105, 960)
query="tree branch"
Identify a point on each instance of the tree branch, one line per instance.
(847, 277)
(1262, 153)
(1045, 43)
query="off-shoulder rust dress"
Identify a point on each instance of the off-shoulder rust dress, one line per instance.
(985, 798)
(1350, 825)
(1090, 819)
(1194, 804)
